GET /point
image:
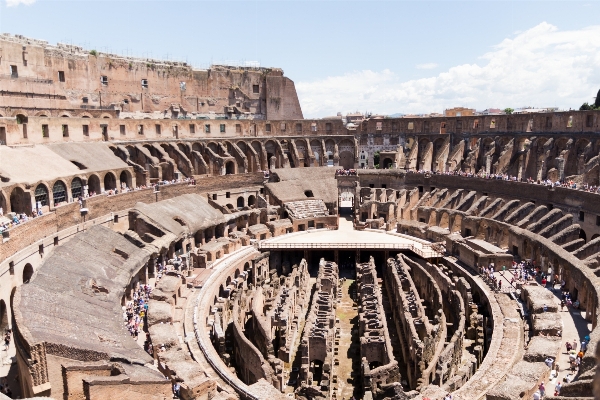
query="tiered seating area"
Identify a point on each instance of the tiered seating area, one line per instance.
(306, 209)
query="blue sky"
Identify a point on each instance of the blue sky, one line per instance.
(384, 57)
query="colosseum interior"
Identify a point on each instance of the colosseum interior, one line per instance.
(201, 235)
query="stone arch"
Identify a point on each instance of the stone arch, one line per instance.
(94, 184)
(229, 168)
(110, 182)
(576, 157)
(240, 202)
(4, 317)
(457, 223)
(65, 114)
(41, 195)
(582, 235)
(85, 115)
(230, 206)
(317, 150)
(595, 236)
(3, 202)
(42, 114)
(271, 149)
(387, 163)
(125, 179)
(19, 202)
(251, 200)
(444, 220)
(76, 188)
(27, 273)
(105, 115)
(59, 192)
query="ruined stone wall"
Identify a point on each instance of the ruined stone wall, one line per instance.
(69, 77)
(415, 324)
(318, 336)
(379, 367)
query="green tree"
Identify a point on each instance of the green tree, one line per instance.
(597, 102)
(585, 107)
(93, 53)
(509, 110)
(376, 159)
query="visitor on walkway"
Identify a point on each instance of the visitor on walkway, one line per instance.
(176, 389)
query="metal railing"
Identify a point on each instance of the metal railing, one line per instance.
(425, 251)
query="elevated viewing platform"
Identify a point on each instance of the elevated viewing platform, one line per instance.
(346, 238)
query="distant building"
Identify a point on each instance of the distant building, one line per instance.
(355, 117)
(459, 112)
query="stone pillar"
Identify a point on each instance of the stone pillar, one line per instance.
(561, 168)
(488, 164)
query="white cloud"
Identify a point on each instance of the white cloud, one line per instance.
(427, 66)
(14, 3)
(542, 66)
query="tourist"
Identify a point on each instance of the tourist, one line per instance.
(545, 308)
(569, 347)
(583, 346)
(557, 388)
(176, 389)
(542, 389)
(537, 395)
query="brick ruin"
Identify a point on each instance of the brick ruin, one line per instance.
(215, 172)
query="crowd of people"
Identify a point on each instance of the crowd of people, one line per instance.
(506, 177)
(136, 310)
(345, 172)
(17, 219)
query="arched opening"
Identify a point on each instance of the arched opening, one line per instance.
(582, 235)
(2, 204)
(309, 193)
(229, 168)
(269, 163)
(18, 203)
(596, 236)
(41, 195)
(76, 188)
(3, 317)
(125, 179)
(230, 206)
(110, 182)
(27, 273)
(387, 163)
(240, 202)
(93, 185)
(251, 200)
(59, 193)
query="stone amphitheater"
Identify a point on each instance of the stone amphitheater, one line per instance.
(170, 230)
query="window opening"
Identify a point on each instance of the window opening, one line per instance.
(76, 188)
(41, 195)
(59, 192)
